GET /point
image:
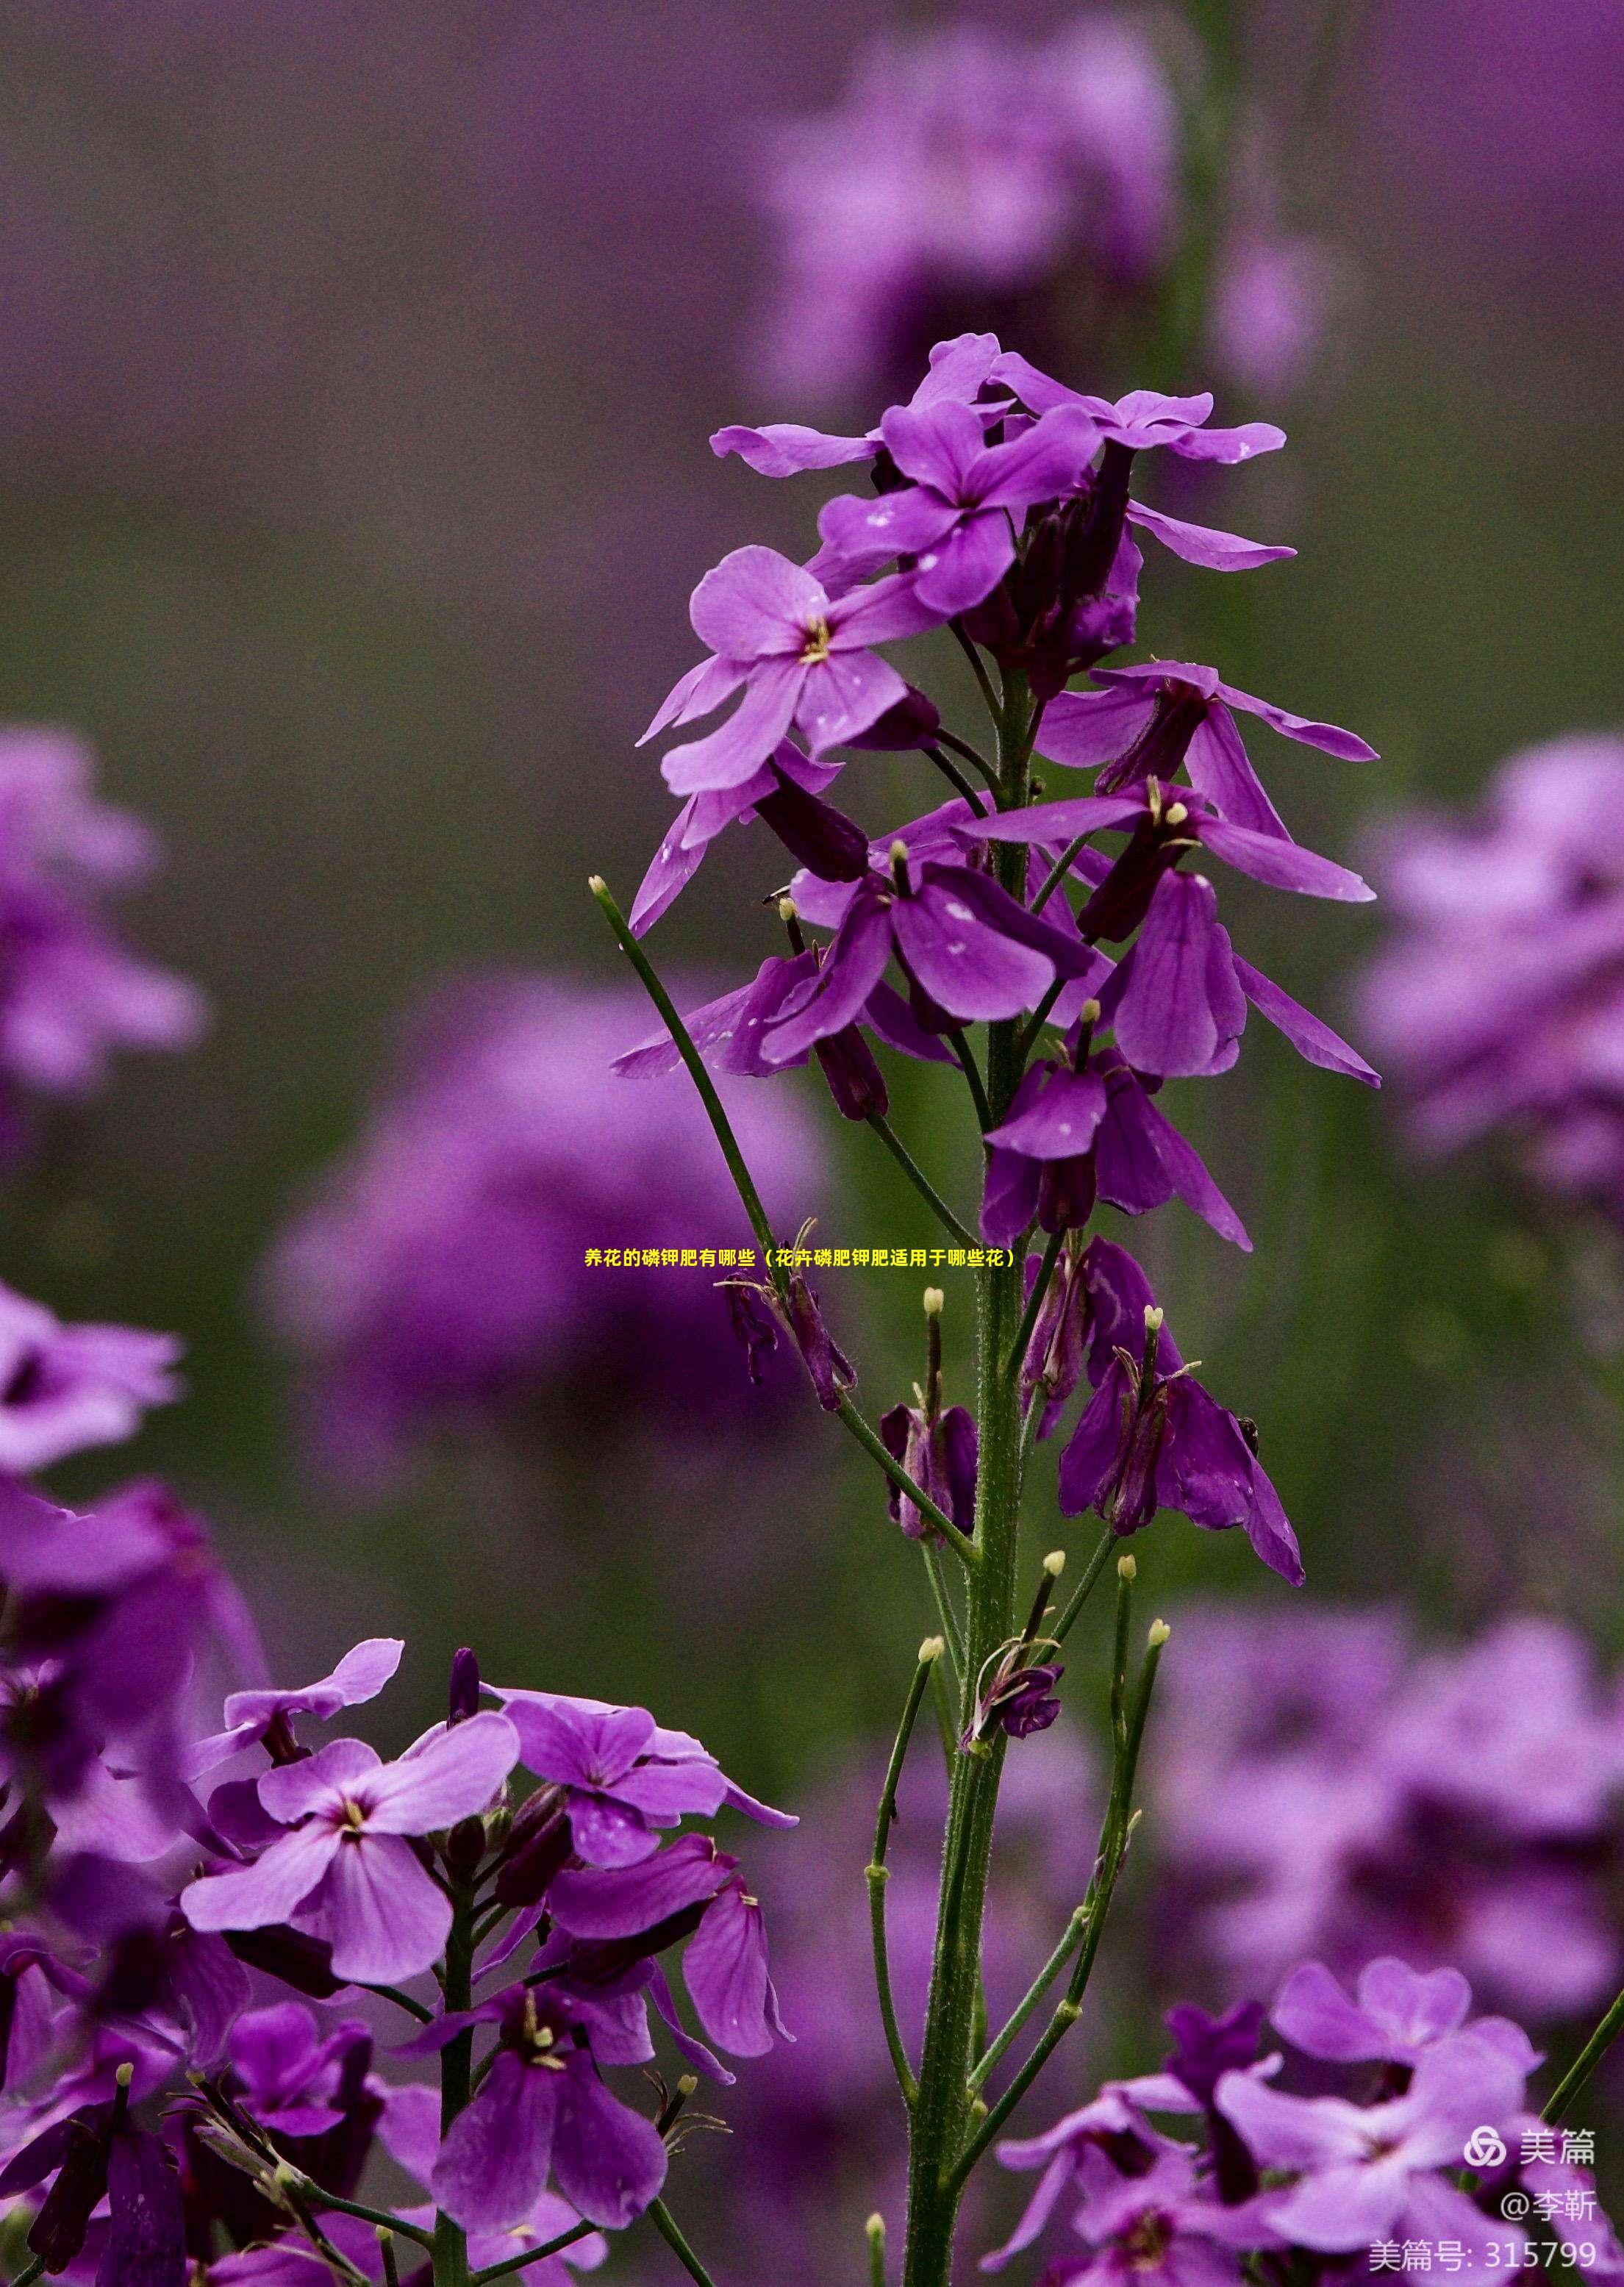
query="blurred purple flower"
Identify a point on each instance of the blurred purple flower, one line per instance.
(69, 993)
(439, 1278)
(1323, 1792)
(1499, 1000)
(65, 1389)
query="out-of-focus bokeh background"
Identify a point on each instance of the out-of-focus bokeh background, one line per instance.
(356, 368)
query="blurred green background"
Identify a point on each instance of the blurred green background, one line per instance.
(355, 376)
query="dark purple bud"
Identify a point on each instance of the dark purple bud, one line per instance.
(1066, 1193)
(1159, 749)
(754, 1326)
(855, 1080)
(604, 1960)
(465, 1845)
(1097, 528)
(1123, 897)
(77, 2148)
(1130, 1502)
(820, 837)
(1019, 1701)
(1207, 2048)
(464, 1696)
(912, 722)
(538, 1847)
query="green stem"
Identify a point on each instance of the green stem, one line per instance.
(1029, 2001)
(877, 1874)
(1584, 2063)
(30, 2272)
(1058, 873)
(978, 760)
(1040, 1017)
(875, 2228)
(377, 2217)
(956, 777)
(941, 2116)
(456, 2076)
(402, 2001)
(951, 1630)
(531, 2255)
(386, 2257)
(921, 1182)
(665, 2224)
(972, 1071)
(994, 708)
(1128, 1726)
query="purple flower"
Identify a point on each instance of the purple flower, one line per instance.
(963, 170)
(1163, 2225)
(1399, 2014)
(438, 1278)
(1497, 1000)
(958, 518)
(801, 656)
(1368, 2172)
(1321, 1791)
(345, 1871)
(769, 793)
(1150, 719)
(1113, 2124)
(1152, 1437)
(542, 2106)
(63, 1388)
(70, 994)
(958, 370)
(265, 1717)
(1071, 1136)
(970, 951)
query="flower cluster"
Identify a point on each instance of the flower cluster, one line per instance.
(1322, 1788)
(968, 173)
(1320, 2187)
(1500, 998)
(70, 994)
(438, 1277)
(1005, 506)
(168, 2112)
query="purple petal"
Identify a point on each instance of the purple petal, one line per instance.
(1308, 1034)
(967, 566)
(1199, 543)
(408, 2129)
(452, 1776)
(492, 2168)
(861, 533)
(1269, 1530)
(786, 449)
(623, 1902)
(968, 968)
(883, 612)
(609, 1833)
(270, 1890)
(608, 2161)
(1082, 728)
(888, 1018)
(1331, 741)
(756, 604)
(385, 1919)
(694, 693)
(145, 2244)
(841, 696)
(1283, 865)
(1089, 1460)
(725, 1972)
(1190, 1179)
(1221, 769)
(737, 750)
(1056, 823)
(1060, 1122)
(1417, 2007)
(938, 444)
(697, 2055)
(670, 869)
(1315, 2015)
(1046, 459)
(574, 1744)
(1010, 1198)
(1181, 1005)
(853, 966)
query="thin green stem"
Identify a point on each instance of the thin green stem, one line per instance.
(951, 1629)
(993, 706)
(972, 1071)
(954, 776)
(1058, 873)
(1081, 1593)
(30, 2272)
(875, 2228)
(379, 2218)
(1584, 2063)
(665, 2224)
(386, 2257)
(877, 1874)
(403, 2001)
(1040, 1017)
(921, 1182)
(1034, 1304)
(511, 2263)
(961, 1546)
(683, 1041)
(1040, 1985)
(1128, 1727)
